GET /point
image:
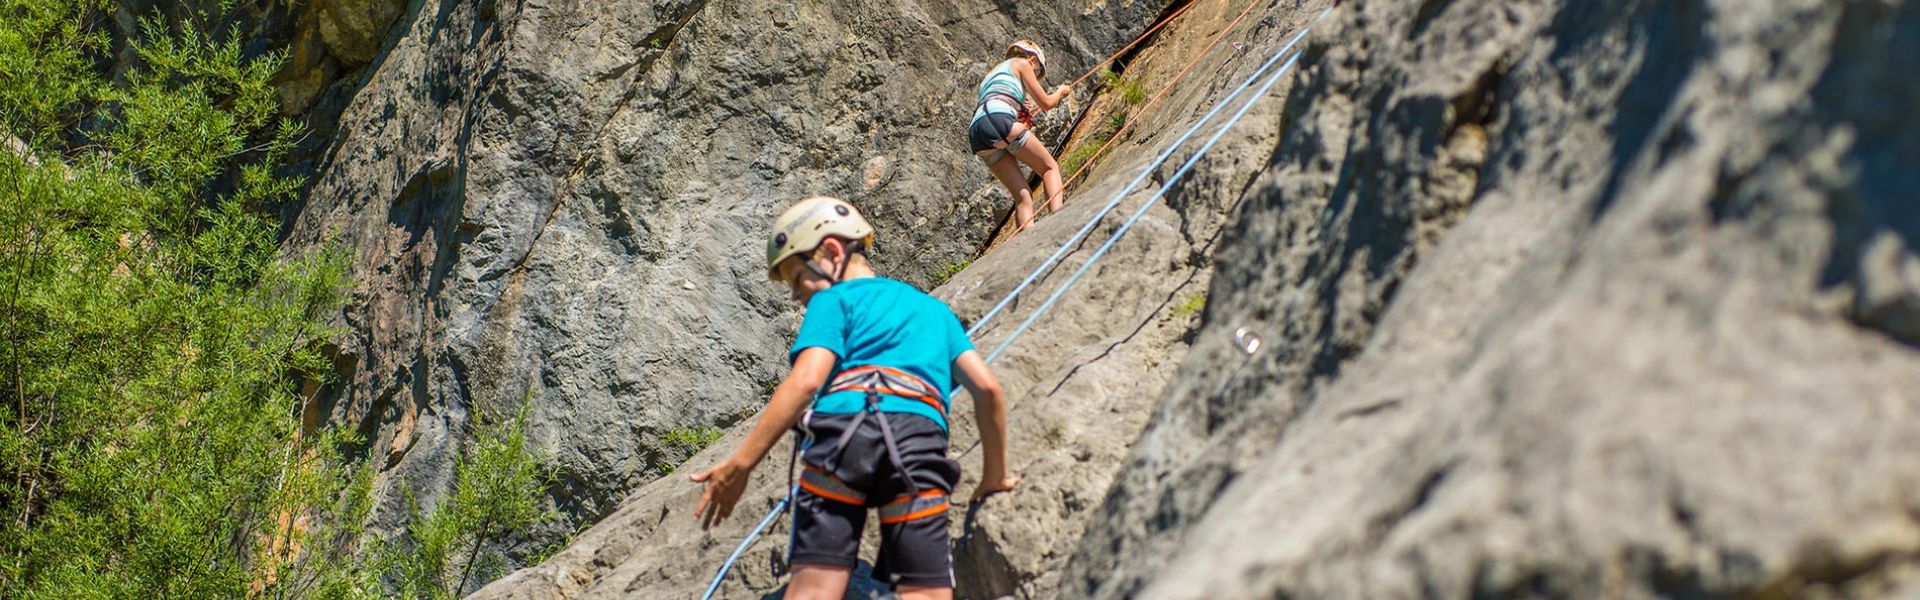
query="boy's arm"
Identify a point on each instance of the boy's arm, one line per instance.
(727, 480)
(990, 415)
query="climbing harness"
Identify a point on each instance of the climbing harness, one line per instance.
(1024, 117)
(1026, 114)
(1003, 86)
(1149, 105)
(918, 503)
(1164, 188)
(1128, 125)
(875, 380)
(1007, 150)
(1022, 114)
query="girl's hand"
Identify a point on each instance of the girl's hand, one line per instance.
(1065, 88)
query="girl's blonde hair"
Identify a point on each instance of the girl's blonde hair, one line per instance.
(1026, 48)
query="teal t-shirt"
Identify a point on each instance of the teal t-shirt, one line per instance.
(880, 321)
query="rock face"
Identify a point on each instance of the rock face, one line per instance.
(560, 202)
(1583, 299)
(332, 40)
(1553, 298)
(1082, 381)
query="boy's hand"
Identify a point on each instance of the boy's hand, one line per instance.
(989, 488)
(725, 482)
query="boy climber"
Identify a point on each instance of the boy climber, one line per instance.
(884, 353)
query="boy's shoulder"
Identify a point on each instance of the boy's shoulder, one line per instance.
(877, 287)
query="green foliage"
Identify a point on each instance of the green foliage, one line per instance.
(151, 338)
(1131, 91)
(691, 439)
(947, 272)
(1074, 159)
(1089, 148)
(47, 76)
(1191, 306)
(149, 444)
(682, 444)
(499, 481)
(498, 484)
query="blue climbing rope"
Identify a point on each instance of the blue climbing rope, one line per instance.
(1142, 211)
(757, 530)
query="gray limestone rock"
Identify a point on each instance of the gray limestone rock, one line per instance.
(1552, 298)
(1573, 299)
(561, 201)
(1082, 380)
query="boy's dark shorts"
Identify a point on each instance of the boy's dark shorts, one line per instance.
(913, 531)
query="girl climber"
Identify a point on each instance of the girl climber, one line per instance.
(1001, 126)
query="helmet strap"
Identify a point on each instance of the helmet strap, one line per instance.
(832, 278)
(846, 258)
(815, 267)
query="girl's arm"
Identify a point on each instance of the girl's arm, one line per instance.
(1034, 88)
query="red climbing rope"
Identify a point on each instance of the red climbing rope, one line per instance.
(1116, 56)
(1136, 41)
(1157, 97)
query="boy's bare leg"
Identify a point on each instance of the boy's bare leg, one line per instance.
(820, 582)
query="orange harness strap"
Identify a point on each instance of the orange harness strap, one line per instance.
(913, 507)
(890, 381)
(825, 485)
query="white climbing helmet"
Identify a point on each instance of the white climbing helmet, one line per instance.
(807, 223)
(1028, 48)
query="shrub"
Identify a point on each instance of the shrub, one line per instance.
(498, 484)
(152, 338)
(151, 444)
